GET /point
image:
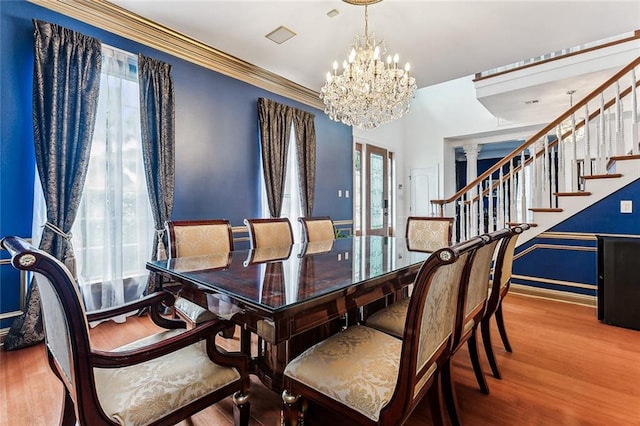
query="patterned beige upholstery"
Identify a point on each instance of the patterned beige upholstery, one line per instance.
(194, 245)
(477, 291)
(316, 247)
(357, 367)
(435, 230)
(162, 379)
(391, 319)
(143, 393)
(317, 228)
(192, 312)
(269, 232)
(268, 254)
(194, 238)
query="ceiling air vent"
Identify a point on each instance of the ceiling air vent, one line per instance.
(280, 34)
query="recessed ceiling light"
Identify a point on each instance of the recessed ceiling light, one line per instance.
(280, 34)
(332, 13)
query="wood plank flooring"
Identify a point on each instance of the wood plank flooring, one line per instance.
(566, 369)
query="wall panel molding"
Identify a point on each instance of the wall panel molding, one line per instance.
(112, 18)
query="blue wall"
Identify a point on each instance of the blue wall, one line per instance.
(217, 151)
(575, 260)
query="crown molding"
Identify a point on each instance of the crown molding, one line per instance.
(120, 21)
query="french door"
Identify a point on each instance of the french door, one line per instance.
(372, 183)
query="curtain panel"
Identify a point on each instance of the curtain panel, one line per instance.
(275, 129)
(66, 83)
(157, 115)
(303, 123)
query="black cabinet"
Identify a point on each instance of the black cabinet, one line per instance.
(619, 281)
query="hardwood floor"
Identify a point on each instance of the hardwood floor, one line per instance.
(566, 369)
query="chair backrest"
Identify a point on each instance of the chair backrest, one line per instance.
(503, 266)
(430, 321)
(436, 230)
(317, 229)
(63, 314)
(480, 275)
(197, 237)
(275, 232)
(476, 296)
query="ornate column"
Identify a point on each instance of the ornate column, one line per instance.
(471, 151)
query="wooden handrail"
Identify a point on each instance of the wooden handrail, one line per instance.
(544, 131)
(635, 36)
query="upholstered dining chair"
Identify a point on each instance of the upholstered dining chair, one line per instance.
(426, 233)
(274, 232)
(189, 238)
(502, 270)
(317, 229)
(161, 379)
(472, 303)
(197, 237)
(373, 378)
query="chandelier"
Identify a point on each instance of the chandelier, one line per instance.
(369, 91)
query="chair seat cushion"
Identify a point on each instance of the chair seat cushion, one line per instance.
(391, 319)
(194, 313)
(357, 367)
(130, 395)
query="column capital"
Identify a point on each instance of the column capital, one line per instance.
(471, 150)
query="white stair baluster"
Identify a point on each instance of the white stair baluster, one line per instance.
(523, 193)
(587, 146)
(635, 126)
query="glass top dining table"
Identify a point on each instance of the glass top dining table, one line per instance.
(275, 279)
(294, 296)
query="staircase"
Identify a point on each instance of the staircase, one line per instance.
(581, 157)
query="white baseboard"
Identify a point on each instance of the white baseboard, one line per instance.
(561, 296)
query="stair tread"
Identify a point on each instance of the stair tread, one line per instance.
(572, 194)
(621, 158)
(531, 224)
(604, 176)
(545, 209)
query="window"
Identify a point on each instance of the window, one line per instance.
(113, 231)
(291, 204)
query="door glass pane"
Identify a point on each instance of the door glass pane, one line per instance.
(358, 195)
(376, 191)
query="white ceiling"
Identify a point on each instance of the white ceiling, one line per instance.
(442, 40)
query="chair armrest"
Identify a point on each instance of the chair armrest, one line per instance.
(164, 297)
(207, 330)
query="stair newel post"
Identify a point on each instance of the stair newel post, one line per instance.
(635, 126)
(491, 222)
(587, 144)
(523, 188)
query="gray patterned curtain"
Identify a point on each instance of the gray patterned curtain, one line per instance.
(306, 152)
(275, 129)
(157, 115)
(66, 83)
